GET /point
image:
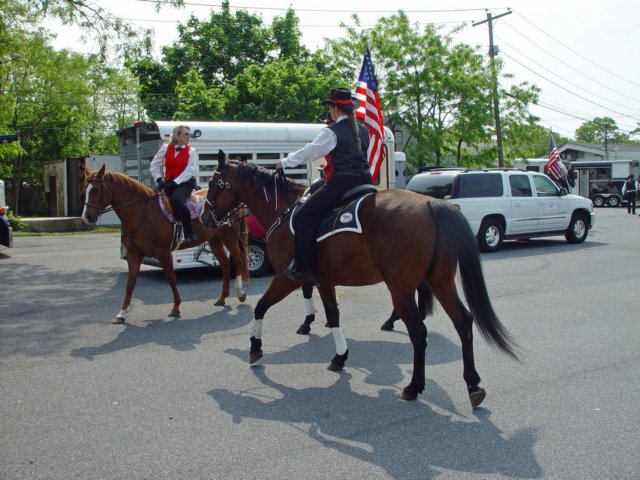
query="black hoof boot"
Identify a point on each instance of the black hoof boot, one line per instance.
(337, 362)
(255, 353)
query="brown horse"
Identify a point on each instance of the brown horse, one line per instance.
(407, 239)
(146, 232)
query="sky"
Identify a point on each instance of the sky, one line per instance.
(583, 54)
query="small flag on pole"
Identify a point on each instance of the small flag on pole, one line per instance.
(555, 167)
(370, 113)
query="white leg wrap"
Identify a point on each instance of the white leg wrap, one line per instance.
(239, 290)
(309, 309)
(123, 313)
(256, 329)
(338, 338)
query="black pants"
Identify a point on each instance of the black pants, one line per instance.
(631, 202)
(177, 197)
(307, 218)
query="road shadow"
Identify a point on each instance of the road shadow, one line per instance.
(381, 361)
(538, 246)
(177, 334)
(404, 439)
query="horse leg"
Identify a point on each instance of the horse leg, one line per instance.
(462, 320)
(239, 256)
(133, 263)
(279, 288)
(170, 274)
(307, 293)
(328, 296)
(425, 306)
(218, 251)
(405, 305)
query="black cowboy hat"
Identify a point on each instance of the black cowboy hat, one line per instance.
(342, 99)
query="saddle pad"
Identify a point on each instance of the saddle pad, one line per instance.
(341, 219)
(195, 204)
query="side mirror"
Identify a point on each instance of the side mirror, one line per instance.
(563, 192)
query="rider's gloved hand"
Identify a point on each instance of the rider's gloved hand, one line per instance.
(160, 181)
(170, 185)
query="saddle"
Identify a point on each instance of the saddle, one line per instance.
(195, 204)
(345, 217)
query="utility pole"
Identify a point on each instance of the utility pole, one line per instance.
(494, 81)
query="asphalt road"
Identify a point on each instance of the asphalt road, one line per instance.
(161, 398)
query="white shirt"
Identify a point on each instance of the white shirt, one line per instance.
(321, 146)
(158, 161)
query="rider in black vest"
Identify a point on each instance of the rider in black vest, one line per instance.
(631, 193)
(344, 146)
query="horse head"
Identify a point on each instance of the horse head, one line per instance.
(222, 196)
(96, 194)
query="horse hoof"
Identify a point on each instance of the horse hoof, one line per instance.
(477, 397)
(242, 297)
(174, 313)
(303, 329)
(387, 326)
(408, 394)
(254, 357)
(118, 321)
(335, 367)
(219, 303)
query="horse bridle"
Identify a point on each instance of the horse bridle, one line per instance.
(100, 209)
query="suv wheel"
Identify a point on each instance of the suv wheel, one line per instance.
(490, 235)
(578, 229)
(258, 262)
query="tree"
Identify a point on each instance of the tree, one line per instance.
(594, 131)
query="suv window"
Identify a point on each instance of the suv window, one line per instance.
(435, 184)
(545, 186)
(471, 185)
(520, 186)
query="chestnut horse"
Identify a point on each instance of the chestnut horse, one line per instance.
(146, 232)
(407, 239)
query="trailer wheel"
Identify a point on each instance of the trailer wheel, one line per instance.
(598, 201)
(258, 260)
(614, 201)
(578, 228)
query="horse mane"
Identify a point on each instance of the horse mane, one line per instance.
(121, 179)
(264, 178)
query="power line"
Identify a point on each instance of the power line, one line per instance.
(567, 90)
(321, 10)
(577, 53)
(564, 79)
(574, 70)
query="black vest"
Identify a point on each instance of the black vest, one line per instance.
(346, 158)
(631, 185)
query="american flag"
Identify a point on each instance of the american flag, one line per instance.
(370, 113)
(555, 168)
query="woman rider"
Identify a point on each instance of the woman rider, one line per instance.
(180, 160)
(344, 146)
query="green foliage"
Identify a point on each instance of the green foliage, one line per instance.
(594, 131)
(16, 223)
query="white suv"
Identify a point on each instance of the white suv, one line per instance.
(503, 204)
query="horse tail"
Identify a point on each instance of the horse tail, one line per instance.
(456, 235)
(243, 241)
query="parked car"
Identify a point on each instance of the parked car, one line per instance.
(6, 232)
(509, 204)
